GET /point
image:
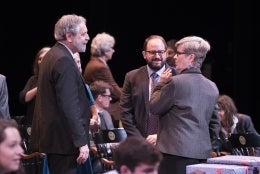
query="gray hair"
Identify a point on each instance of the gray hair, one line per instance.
(101, 43)
(197, 46)
(67, 23)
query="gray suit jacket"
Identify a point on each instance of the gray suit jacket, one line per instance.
(185, 106)
(4, 106)
(135, 101)
(106, 120)
(62, 108)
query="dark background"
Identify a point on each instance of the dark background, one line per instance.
(229, 26)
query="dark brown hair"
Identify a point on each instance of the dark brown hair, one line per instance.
(227, 104)
(134, 151)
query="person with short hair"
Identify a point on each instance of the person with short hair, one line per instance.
(102, 50)
(135, 155)
(138, 84)
(102, 94)
(186, 107)
(62, 107)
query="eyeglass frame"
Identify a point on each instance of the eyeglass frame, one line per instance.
(177, 53)
(153, 52)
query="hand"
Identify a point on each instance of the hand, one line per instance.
(152, 139)
(94, 126)
(166, 75)
(83, 154)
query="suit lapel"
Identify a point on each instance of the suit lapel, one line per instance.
(145, 87)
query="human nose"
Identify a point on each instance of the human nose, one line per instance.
(19, 150)
(87, 37)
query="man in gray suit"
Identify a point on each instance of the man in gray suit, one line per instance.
(4, 105)
(185, 105)
(136, 117)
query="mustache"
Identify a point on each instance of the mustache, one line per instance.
(157, 59)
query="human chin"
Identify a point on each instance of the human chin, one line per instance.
(156, 65)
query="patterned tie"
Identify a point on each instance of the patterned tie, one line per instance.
(154, 78)
(152, 122)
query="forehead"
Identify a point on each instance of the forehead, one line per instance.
(82, 28)
(155, 43)
(145, 168)
(12, 134)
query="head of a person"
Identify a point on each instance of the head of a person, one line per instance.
(10, 146)
(102, 45)
(78, 61)
(171, 50)
(191, 51)
(38, 59)
(135, 155)
(226, 110)
(72, 31)
(101, 92)
(154, 52)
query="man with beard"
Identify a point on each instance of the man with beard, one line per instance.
(60, 125)
(137, 88)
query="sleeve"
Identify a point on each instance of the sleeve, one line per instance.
(214, 124)
(127, 108)
(4, 106)
(89, 94)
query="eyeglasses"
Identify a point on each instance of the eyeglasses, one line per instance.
(153, 52)
(179, 53)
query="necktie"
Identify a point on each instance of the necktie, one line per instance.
(154, 78)
(152, 122)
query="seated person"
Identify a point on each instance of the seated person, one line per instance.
(137, 156)
(232, 122)
(101, 92)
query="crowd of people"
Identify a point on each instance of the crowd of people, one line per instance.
(164, 106)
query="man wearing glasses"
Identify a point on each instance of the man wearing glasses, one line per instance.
(137, 88)
(102, 94)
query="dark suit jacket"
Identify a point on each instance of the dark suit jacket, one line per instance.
(185, 107)
(62, 108)
(97, 70)
(244, 125)
(135, 101)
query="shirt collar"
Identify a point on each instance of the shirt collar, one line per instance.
(159, 72)
(67, 48)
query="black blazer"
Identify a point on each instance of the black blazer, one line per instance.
(244, 125)
(62, 108)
